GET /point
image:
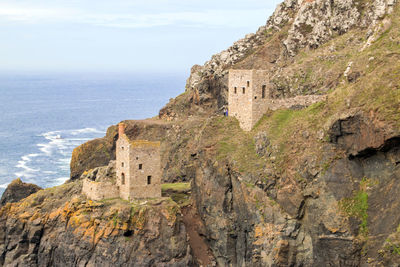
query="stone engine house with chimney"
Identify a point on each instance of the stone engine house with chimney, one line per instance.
(138, 171)
(249, 97)
(138, 167)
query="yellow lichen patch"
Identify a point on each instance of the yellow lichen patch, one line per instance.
(266, 233)
(108, 230)
(90, 231)
(98, 235)
(170, 214)
(35, 216)
(54, 214)
(144, 143)
(75, 221)
(125, 226)
(25, 215)
(80, 231)
(258, 232)
(139, 219)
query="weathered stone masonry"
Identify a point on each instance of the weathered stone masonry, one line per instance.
(99, 190)
(249, 97)
(138, 168)
(138, 171)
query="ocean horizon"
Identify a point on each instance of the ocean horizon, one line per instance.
(45, 116)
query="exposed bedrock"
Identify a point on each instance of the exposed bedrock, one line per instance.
(16, 191)
(341, 217)
(58, 227)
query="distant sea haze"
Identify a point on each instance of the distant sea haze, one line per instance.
(43, 117)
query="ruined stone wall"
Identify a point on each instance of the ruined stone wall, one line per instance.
(240, 105)
(295, 102)
(148, 155)
(122, 158)
(99, 190)
(147, 191)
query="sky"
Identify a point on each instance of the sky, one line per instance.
(122, 35)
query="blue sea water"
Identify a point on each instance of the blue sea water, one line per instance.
(43, 117)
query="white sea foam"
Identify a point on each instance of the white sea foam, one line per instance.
(45, 148)
(4, 185)
(24, 161)
(26, 175)
(61, 180)
(54, 156)
(85, 130)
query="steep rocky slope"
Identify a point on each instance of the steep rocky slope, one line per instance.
(311, 187)
(59, 227)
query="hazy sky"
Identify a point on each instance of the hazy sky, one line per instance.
(122, 35)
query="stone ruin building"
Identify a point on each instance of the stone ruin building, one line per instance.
(249, 97)
(137, 172)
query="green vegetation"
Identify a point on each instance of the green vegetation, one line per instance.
(249, 185)
(115, 219)
(176, 187)
(392, 246)
(178, 192)
(357, 206)
(234, 145)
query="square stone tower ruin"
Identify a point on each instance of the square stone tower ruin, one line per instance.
(138, 167)
(248, 96)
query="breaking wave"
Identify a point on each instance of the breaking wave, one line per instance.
(49, 165)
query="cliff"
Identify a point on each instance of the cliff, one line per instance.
(60, 227)
(305, 187)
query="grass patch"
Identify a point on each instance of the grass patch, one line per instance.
(249, 185)
(357, 206)
(393, 247)
(178, 187)
(280, 120)
(181, 199)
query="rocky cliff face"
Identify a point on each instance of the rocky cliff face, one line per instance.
(16, 191)
(310, 187)
(337, 212)
(58, 227)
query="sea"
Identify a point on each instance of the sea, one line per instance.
(43, 117)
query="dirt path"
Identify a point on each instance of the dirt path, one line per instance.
(194, 227)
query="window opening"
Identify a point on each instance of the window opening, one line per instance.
(263, 91)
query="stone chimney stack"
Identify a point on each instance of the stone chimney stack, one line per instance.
(121, 129)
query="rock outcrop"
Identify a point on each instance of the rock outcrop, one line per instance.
(59, 227)
(17, 190)
(94, 153)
